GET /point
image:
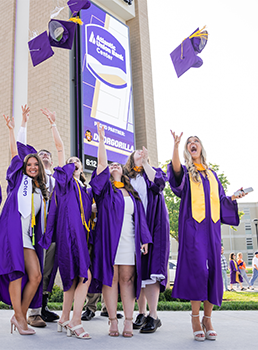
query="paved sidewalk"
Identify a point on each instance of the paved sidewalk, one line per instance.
(236, 330)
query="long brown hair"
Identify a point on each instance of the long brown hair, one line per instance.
(126, 181)
(41, 178)
(129, 167)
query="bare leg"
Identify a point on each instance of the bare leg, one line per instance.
(196, 320)
(79, 298)
(152, 296)
(142, 302)
(32, 268)
(67, 303)
(15, 295)
(207, 320)
(126, 275)
(110, 295)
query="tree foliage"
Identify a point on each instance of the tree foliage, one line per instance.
(173, 202)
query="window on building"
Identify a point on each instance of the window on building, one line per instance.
(249, 258)
(249, 243)
(248, 228)
(246, 215)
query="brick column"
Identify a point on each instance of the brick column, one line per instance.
(145, 125)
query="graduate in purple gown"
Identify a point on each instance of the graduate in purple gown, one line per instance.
(149, 182)
(235, 275)
(69, 213)
(22, 222)
(204, 206)
(120, 235)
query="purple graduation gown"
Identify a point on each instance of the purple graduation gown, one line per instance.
(233, 271)
(198, 274)
(12, 264)
(64, 219)
(108, 230)
(156, 262)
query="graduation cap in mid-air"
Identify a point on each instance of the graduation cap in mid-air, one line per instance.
(61, 33)
(40, 48)
(77, 5)
(185, 55)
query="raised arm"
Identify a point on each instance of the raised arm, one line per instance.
(51, 116)
(150, 172)
(22, 133)
(13, 146)
(102, 153)
(175, 158)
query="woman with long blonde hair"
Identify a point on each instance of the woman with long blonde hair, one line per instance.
(204, 206)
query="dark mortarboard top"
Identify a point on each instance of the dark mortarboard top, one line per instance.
(67, 30)
(40, 49)
(77, 5)
(185, 55)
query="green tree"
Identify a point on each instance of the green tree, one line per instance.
(173, 202)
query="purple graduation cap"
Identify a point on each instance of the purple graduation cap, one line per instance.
(61, 33)
(40, 49)
(185, 55)
(77, 5)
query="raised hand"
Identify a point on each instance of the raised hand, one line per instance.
(9, 122)
(177, 138)
(240, 195)
(145, 154)
(25, 114)
(51, 116)
(101, 132)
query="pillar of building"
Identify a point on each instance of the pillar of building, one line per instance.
(145, 125)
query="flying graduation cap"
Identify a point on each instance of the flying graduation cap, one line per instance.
(40, 49)
(61, 33)
(185, 55)
(77, 5)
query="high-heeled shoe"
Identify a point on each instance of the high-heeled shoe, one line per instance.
(127, 334)
(15, 325)
(209, 332)
(62, 325)
(195, 334)
(71, 331)
(113, 333)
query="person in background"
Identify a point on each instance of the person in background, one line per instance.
(255, 270)
(224, 268)
(242, 267)
(235, 276)
(150, 182)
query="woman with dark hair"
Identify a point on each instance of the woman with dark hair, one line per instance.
(68, 217)
(22, 223)
(204, 206)
(149, 182)
(121, 234)
(235, 274)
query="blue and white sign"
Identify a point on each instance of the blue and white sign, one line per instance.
(106, 86)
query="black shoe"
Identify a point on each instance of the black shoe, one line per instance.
(105, 314)
(46, 314)
(140, 321)
(151, 325)
(87, 315)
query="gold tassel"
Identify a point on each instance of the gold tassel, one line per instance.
(33, 219)
(81, 207)
(76, 20)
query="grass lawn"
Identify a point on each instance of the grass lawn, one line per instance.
(231, 301)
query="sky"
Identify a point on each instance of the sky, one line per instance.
(217, 102)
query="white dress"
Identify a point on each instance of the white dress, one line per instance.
(125, 254)
(26, 222)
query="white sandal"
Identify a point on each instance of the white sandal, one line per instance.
(71, 331)
(208, 333)
(60, 325)
(195, 334)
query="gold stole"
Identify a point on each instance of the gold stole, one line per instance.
(118, 184)
(84, 223)
(237, 277)
(198, 198)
